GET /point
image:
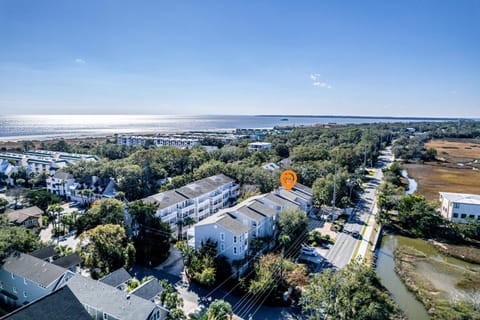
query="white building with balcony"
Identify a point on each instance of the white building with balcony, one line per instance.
(257, 146)
(460, 207)
(197, 200)
(177, 141)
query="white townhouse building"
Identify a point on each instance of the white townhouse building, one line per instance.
(98, 187)
(235, 228)
(256, 146)
(229, 232)
(460, 207)
(39, 161)
(299, 194)
(177, 141)
(24, 278)
(60, 183)
(197, 200)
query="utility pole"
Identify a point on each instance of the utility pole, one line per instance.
(364, 159)
(334, 189)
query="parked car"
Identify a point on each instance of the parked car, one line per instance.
(309, 251)
(355, 234)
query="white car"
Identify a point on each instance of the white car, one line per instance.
(309, 251)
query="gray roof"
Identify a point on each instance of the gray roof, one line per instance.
(116, 278)
(33, 269)
(230, 223)
(148, 290)
(263, 209)
(63, 175)
(292, 195)
(166, 199)
(45, 253)
(68, 261)
(303, 188)
(204, 186)
(58, 305)
(252, 214)
(280, 201)
(105, 298)
(227, 221)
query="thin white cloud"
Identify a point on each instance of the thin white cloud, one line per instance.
(80, 61)
(317, 82)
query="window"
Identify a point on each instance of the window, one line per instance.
(222, 247)
(24, 294)
(235, 250)
(1, 284)
(25, 281)
(13, 276)
(14, 289)
(456, 205)
(222, 236)
(472, 216)
(105, 316)
(455, 215)
(463, 215)
(234, 239)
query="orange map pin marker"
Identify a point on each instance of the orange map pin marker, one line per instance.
(288, 179)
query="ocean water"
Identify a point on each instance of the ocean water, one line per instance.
(23, 127)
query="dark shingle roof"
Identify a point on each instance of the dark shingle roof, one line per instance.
(68, 261)
(117, 303)
(116, 278)
(33, 269)
(58, 305)
(44, 253)
(148, 290)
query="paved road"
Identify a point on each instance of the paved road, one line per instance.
(341, 252)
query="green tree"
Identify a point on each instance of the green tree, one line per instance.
(219, 310)
(17, 238)
(274, 273)
(42, 199)
(103, 211)
(3, 204)
(418, 216)
(151, 236)
(63, 250)
(105, 249)
(292, 223)
(130, 181)
(352, 293)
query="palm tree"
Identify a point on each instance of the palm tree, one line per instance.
(53, 212)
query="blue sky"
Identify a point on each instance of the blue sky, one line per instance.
(400, 58)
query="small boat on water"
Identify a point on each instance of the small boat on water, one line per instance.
(284, 119)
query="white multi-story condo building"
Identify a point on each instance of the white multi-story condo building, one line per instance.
(256, 146)
(181, 142)
(196, 200)
(38, 161)
(460, 207)
(234, 228)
